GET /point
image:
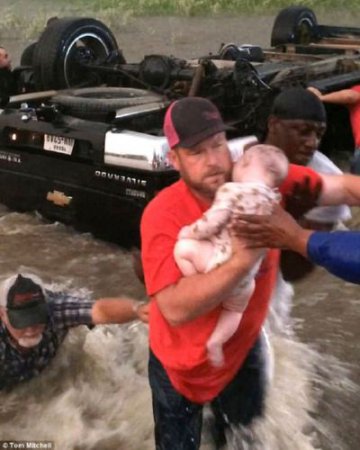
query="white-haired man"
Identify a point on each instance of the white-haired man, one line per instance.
(35, 321)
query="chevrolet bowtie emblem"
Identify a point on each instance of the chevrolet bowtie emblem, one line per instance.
(58, 198)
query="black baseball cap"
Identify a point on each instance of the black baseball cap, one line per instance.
(190, 120)
(298, 103)
(26, 304)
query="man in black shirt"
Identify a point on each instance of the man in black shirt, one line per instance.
(7, 80)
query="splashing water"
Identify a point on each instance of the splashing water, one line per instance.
(95, 394)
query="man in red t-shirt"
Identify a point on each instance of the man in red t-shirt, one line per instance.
(351, 99)
(185, 310)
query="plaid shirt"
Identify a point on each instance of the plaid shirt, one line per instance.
(64, 312)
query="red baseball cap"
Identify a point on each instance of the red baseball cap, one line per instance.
(190, 120)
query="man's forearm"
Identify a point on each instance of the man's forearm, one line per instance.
(113, 310)
(339, 189)
(352, 190)
(198, 294)
(342, 97)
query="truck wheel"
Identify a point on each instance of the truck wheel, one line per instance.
(27, 55)
(98, 103)
(65, 45)
(294, 25)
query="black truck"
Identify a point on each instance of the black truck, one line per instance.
(82, 140)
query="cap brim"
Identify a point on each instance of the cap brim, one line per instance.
(27, 317)
(197, 138)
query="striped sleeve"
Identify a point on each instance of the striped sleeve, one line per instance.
(69, 311)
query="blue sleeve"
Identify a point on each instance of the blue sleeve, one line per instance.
(338, 252)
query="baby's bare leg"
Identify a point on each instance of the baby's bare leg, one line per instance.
(228, 322)
(193, 256)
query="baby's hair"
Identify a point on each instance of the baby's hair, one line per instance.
(272, 158)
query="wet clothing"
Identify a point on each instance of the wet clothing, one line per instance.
(65, 312)
(7, 85)
(181, 376)
(247, 387)
(338, 252)
(182, 349)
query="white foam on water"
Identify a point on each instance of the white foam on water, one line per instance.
(95, 394)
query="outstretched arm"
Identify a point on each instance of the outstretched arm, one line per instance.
(195, 295)
(338, 189)
(118, 310)
(338, 252)
(343, 97)
(279, 230)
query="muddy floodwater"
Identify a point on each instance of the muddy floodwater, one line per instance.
(95, 394)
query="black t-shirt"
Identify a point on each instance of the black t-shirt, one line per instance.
(7, 84)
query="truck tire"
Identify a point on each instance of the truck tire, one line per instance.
(27, 55)
(64, 45)
(294, 25)
(98, 103)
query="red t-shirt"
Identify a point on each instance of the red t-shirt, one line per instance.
(182, 349)
(354, 111)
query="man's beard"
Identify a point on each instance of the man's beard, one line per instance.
(29, 342)
(205, 189)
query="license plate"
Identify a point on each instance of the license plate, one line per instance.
(58, 144)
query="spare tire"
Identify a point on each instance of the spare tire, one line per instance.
(65, 45)
(294, 25)
(97, 103)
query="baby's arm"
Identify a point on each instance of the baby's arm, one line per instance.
(213, 220)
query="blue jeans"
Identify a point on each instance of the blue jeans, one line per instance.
(178, 421)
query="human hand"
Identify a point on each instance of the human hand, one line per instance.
(302, 198)
(141, 309)
(241, 250)
(315, 91)
(277, 230)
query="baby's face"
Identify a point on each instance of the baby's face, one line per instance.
(238, 171)
(247, 166)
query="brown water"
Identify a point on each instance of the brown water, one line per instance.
(95, 394)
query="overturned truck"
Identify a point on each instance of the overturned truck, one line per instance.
(82, 142)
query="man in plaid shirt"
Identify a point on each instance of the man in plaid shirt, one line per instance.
(35, 321)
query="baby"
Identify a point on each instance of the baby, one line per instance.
(206, 243)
